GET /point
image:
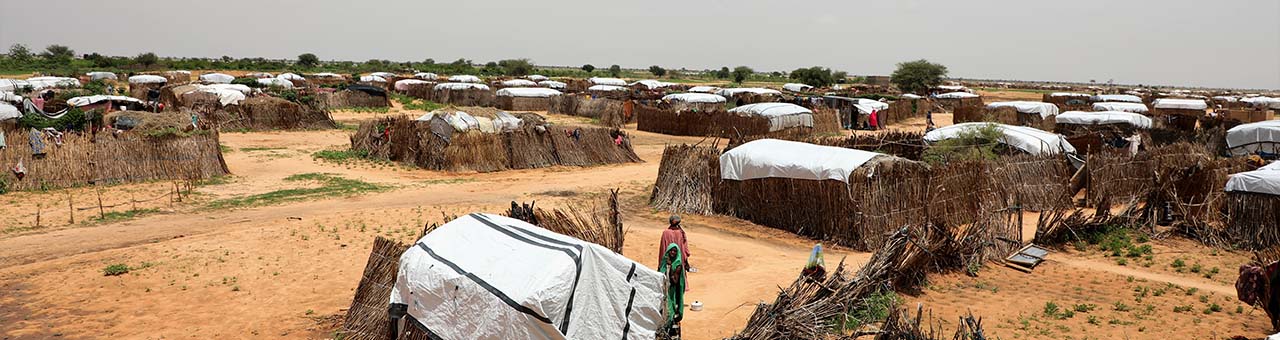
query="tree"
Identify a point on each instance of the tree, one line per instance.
(308, 60)
(615, 70)
(816, 76)
(516, 67)
(657, 71)
(741, 73)
(723, 73)
(20, 52)
(98, 60)
(58, 54)
(840, 76)
(918, 76)
(589, 68)
(146, 59)
(429, 61)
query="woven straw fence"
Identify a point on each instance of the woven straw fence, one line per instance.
(86, 159)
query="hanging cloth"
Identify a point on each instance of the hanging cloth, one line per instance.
(37, 142)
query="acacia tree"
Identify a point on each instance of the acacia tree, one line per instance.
(741, 73)
(723, 73)
(615, 71)
(516, 67)
(816, 76)
(146, 59)
(657, 71)
(589, 68)
(58, 54)
(308, 60)
(20, 53)
(918, 76)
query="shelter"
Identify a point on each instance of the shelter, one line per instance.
(281, 82)
(426, 76)
(372, 79)
(268, 113)
(216, 78)
(1122, 98)
(177, 76)
(1261, 138)
(552, 84)
(288, 76)
(795, 87)
(41, 83)
(525, 98)
(1095, 131)
(1068, 101)
(141, 85)
(686, 114)
(536, 77)
(650, 84)
(501, 266)
(464, 94)
(694, 102)
(260, 75)
(1121, 106)
(750, 95)
(13, 85)
(519, 83)
(955, 95)
(245, 89)
(384, 75)
(464, 79)
(965, 107)
(403, 85)
(1182, 114)
(8, 112)
(1034, 114)
(607, 81)
(101, 76)
(325, 78)
(704, 89)
(1253, 207)
(356, 96)
(104, 103)
(1261, 102)
(780, 115)
(855, 112)
(1027, 139)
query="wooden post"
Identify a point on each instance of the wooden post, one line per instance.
(133, 204)
(39, 206)
(71, 207)
(102, 215)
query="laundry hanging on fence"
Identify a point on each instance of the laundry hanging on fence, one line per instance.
(37, 143)
(2, 142)
(20, 171)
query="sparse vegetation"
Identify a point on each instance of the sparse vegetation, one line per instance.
(330, 186)
(115, 269)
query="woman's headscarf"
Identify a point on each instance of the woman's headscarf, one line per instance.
(675, 292)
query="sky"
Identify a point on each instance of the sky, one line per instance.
(1222, 43)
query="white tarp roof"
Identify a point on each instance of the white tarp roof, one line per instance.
(956, 88)
(796, 87)
(217, 78)
(1045, 110)
(259, 75)
(607, 81)
(1104, 117)
(652, 84)
(9, 112)
(373, 79)
(1069, 94)
(780, 115)
(285, 83)
(1031, 140)
(1125, 98)
(606, 88)
(327, 75)
(235, 87)
(226, 95)
(739, 90)
(528, 92)
(492, 277)
(291, 76)
(464, 79)
(1121, 106)
(536, 77)
(147, 79)
(773, 158)
(1265, 180)
(1267, 102)
(1186, 104)
(461, 86)
(956, 95)
(1229, 99)
(1247, 139)
(553, 84)
(519, 83)
(704, 89)
(13, 84)
(426, 75)
(90, 100)
(384, 75)
(403, 84)
(40, 83)
(910, 96)
(694, 98)
(101, 76)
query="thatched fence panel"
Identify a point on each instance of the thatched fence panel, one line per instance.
(1253, 220)
(85, 159)
(1036, 183)
(686, 178)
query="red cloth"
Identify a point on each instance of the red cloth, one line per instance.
(673, 235)
(875, 121)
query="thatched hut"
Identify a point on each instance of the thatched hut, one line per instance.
(1253, 207)
(552, 84)
(462, 94)
(276, 82)
(1182, 114)
(1096, 131)
(1116, 98)
(355, 96)
(704, 89)
(776, 120)
(177, 76)
(609, 91)
(1034, 114)
(1068, 101)
(1028, 140)
(417, 88)
(1261, 138)
(324, 79)
(525, 98)
(750, 95)
(651, 84)
(855, 112)
(966, 107)
(609, 112)
(683, 114)
(141, 85)
(607, 81)
(267, 113)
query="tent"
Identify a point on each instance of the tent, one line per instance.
(1180, 104)
(1030, 140)
(1263, 102)
(795, 87)
(486, 276)
(282, 82)
(11, 85)
(519, 83)
(1260, 137)
(40, 83)
(740, 90)
(536, 77)
(1045, 110)
(1121, 106)
(552, 84)
(147, 79)
(101, 76)
(652, 84)
(90, 100)
(290, 76)
(694, 98)
(373, 79)
(1104, 117)
(226, 95)
(1124, 98)
(1265, 180)
(773, 158)
(460, 86)
(464, 79)
(216, 78)
(607, 81)
(528, 92)
(780, 115)
(956, 95)
(606, 88)
(426, 76)
(704, 89)
(404, 84)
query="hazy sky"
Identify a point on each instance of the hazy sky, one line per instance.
(1221, 43)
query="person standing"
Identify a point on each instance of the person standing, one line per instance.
(673, 305)
(674, 234)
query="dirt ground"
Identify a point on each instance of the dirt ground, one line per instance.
(289, 270)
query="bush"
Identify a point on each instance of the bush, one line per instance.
(741, 73)
(972, 144)
(816, 76)
(74, 119)
(115, 269)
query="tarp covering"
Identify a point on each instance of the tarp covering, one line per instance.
(910, 96)
(461, 86)
(10, 85)
(704, 89)
(536, 77)
(216, 78)
(956, 95)
(1045, 110)
(245, 89)
(1121, 106)
(780, 115)
(40, 83)
(652, 84)
(528, 92)
(1069, 94)
(606, 88)
(1186, 104)
(226, 95)
(795, 87)
(1259, 102)
(9, 112)
(464, 79)
(607, 81)
(404, 84)
(327, 75)
(147, 79)
(373, 79)
(738, 90)
(426, 75)
(260, 75)
(384, 75)
(281, 82)
(1265, 180)
(694, 98)
(552, 84)
(90, 100)
(1104, 117)
(1124, 98)
(954, 88)
(1031, 140)
(519, 83)
(290, 76)
(491, 277)
(1247, 139)
(101, 76)
(1229, 99)
(773, 158)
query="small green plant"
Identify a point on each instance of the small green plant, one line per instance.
(1122, 261)
(1094, 320)
(310, 312)
(1051, 309)
(1192, 291)
(1212, 271)
(115, 269)
(1195, 268)
(1120, 307)
(874, 308)
(1204, 298)
(1178, 263)
(1182, 309)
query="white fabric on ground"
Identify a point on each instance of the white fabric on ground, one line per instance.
(492, 277)
(101, 76)
(216, 78)
(1124, 98)
(147, 79)
(773, 158)
(740, 90)
(9, 112)
(528, 92)
(506, 122)
(1261, 181)
(461, 86)
(552, 84)
(1185, 104)
(426, 76)
(694, 98)
(1045, 110)
(796, 87)
(1275, 166)
(464, 79)
(956, 95)
(780, 115)
(1104, 117)
(607, 81)
(1031, 140)
(373, 79)
(1121, 106)
(536, 77)
(519, 83)
(1247, 139)
(704, 89)
(260, 75)
(652, 84)
(281, 82)
(606, 88)
(290, 76)
(90, 100)
(404, 84)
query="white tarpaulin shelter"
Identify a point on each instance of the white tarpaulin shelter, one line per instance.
(1229, 99)
(954, 88)
(384, 75)
(216, 78)
(226, 95)
(1259, 102)
(291, 76)
(1265, 180)
(956, 95)
(704, 89)
(9, 112)
(606, 88)
(652, 84)
(739, 90)
(1070, 94)
(780, 115)
(426, 75)
(1045, 110)
(1184, 104)
(552, 84)
(101, 76)
(1121, 106)
(536, 77)
(373, 79)
(607, 81)
(519, 83)
(259, 75)
(90, 100)
(404, 84)
(773, 158)
(281, 82)
(464, 79)
(795, 87)
(1124, 98)
(40, 83)
(245, 89)
(147, 79)
(461, 86)
(492, 277)
(910, 96)
(1248, 139)
(10, 85)
(528, 92)
(694, 98)
(1031, 140)
(326, 75)
(1104, 117)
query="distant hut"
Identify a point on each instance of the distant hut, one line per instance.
(1261, 138)
(260, 75)
(1121, 98)
(965, 106)
(1022, 139)
(683, 114)
(518, 83)
(428, 76)
(750, 95)
(463, 94)
(525, 98)
(1138, 108)
(465, 78)
(552, 84)
(104, 104)
(1034, 114)
(177, 76)
(281, 82)
(327, 79)
(1096, 131)
(607, 81)
(536, 77)
(140, 85)
(704, 89)
(1068, 101)
(1253, 207)
(292, 78)
(797, 87)
(1182, 114)
(101, 76)
(216, 78)
(417, 88)
(355, 96)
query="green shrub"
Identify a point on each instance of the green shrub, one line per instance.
(980, 143)
(115, 269)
